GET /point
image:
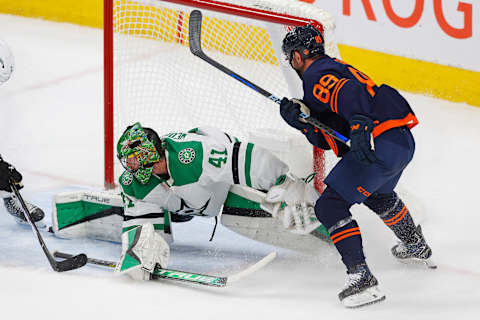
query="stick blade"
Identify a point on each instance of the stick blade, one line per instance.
(253, 268)
(72, 263)
(195, 32)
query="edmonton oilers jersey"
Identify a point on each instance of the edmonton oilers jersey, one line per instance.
(335, 92)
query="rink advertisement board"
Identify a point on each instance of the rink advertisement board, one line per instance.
(421, 46)
(439, 31)
(429, 46)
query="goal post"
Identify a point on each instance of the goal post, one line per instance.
(150, 75)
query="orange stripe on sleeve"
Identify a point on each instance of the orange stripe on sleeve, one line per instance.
(330, 142)
(334, 92)
(334, 97)
(340, 85)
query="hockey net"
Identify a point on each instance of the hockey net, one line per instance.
(151, 76)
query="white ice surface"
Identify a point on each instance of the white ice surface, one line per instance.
(52, 130)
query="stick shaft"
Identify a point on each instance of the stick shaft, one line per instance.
(99, 262)
(74, 262)
(50, 258)
(195, 25)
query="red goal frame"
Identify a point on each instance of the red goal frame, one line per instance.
(263, 15)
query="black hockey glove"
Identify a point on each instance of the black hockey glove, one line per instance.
(290, 111)
(7, 173)
(361, 141)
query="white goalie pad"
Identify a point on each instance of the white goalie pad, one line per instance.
(88, 214)
(243, 214)
(142, 250)
(99, 215)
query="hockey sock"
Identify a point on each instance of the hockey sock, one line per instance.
(391, 209)
(348, 241)
(333, 212)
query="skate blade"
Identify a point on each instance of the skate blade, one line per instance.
(416, 261)
(368, 296)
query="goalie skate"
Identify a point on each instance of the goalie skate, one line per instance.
(416, 251)
(14, 208)
(361, 288)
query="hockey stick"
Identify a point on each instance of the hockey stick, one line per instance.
(191, 277)
(74, 262)
(194, 35)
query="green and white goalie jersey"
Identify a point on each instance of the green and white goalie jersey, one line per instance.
(203, 164)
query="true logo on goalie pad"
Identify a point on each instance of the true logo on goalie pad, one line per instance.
(186, 156)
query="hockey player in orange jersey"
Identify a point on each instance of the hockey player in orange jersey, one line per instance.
(377, 119)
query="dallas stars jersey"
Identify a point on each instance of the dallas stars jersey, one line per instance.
(202, 164)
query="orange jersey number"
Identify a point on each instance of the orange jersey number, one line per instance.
(363, 78)
(360, 76)
(321, 90)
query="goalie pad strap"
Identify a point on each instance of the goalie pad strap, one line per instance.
(236, 148)
(229, 139)
(145, 216)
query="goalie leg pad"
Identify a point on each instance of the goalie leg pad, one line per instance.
(88, 214)
(142, 250)
(245, 213)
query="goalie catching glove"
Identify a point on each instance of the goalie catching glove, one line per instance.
(143, 251)
(292, 201)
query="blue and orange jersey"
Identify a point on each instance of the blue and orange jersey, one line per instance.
(335, 92)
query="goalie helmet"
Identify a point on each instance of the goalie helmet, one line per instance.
(307, 40)
(138, 150)
(7, 63)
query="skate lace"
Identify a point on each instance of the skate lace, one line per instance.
(401, 247)
(353, 279)
(411, 248)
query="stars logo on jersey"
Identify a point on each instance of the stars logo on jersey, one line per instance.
(127, 178)
(186, 156)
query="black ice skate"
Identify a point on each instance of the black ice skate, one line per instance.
(414, 251)
(14, 207)
(361, 288)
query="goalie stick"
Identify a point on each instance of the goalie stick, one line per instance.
(73, 262)
(194, 35)
(191, 277)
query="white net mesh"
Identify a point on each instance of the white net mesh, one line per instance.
(158, 82)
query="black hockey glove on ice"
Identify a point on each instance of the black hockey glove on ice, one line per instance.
(361, 141)
(290, 111)
(7, 172)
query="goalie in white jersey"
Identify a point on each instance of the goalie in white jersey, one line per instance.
(191, 173)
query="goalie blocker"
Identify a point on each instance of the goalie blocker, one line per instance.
(99, 215)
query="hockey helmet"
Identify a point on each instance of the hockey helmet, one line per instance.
(7, 63)
(307, 40)
(138, 150)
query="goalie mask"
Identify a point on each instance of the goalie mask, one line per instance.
(138, 152)
(7, 63)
